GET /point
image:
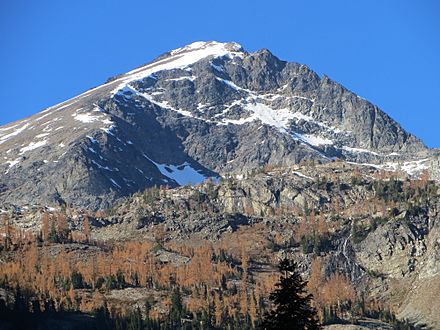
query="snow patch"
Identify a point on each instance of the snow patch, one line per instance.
(218, 67)
(277, 118)
(32, 146)
(43, 116)
(66, 105)
(6, 137)
(315, 140)
(162, 104)
(115, 183)
(301, 116)
(9, 128)
(415, 167)
(183, 174)
(109, 130)
(302, 175)
(190, 78)
(12, 163)
(91, 139)
(412, 168)
(359, 150)
(86, 117)
(101, 167)
(230, 84)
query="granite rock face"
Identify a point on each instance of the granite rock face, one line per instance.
(203, 110)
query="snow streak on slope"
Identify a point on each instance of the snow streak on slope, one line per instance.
(32, 146)
(4, 138)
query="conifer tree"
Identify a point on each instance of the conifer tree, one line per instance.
(176, 308)
(293, 308)
(53, 235)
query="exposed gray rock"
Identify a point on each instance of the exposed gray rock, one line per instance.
(199, 111)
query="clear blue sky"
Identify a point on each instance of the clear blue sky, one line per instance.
(387, 51)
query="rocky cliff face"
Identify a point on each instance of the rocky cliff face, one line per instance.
(381, 233)
(199, 111)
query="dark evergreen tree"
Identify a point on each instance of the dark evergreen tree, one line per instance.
(135, 321)
(53, 235)
(77, 280)
(293, 308)
(176, 309)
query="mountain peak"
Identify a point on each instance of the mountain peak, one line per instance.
(170, 122)
(212, 46)
(182, 58)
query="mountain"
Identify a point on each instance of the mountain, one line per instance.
(208, 109)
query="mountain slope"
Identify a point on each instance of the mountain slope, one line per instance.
(203, 110)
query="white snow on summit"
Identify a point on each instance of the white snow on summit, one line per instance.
(181, 58)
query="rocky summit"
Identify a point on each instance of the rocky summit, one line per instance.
(204, 110)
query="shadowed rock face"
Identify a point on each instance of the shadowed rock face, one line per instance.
(199, 111)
